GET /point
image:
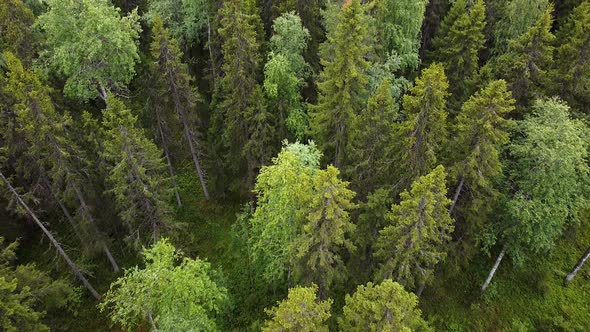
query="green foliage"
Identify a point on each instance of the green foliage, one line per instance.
(90, 45)
(136, 175)
(416, 240)
(300, 312)
(173, 297)
(16, 35)
(26, 293)
(550, 174)
(186, 19)
(572, 74)
(383, 307)
(290, 39)
(423, 132)
(342, 82)
(457, 46)
(525, 65)
(515, 18)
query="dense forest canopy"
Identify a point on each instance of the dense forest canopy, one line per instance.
(294, 165)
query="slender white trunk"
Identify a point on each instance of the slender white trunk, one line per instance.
(53, 241)
(169, 161)
(494, 268)
(570, 276)
(457, 192)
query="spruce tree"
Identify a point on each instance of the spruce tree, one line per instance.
(526, 64)
(383, 307)
(326, 231)
(16, 24)
(457, 47)
(136, 175)
(424, 131)
(572, 68)
(515, 18)
(416, 240)
(342, 82)
(177, 92)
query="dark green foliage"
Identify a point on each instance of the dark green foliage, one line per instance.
(16, 33)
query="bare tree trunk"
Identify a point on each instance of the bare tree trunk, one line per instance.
(211, 58)
(570, 276)
(102, 92)
(54, 242)
(420, 289)
(103, 244)
(494, 268)
(457, 192)
(65, 211)
(169, 161)
(191, 144)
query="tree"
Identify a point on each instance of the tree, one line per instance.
(457, 46)
(526, 63)
(300, 312)
(383, 307)
(416, 240)
(481, 131)
(90, 45)
(515, 18)
(136, 175)
(27, 293)
(177, 91)
(342, 82)
(172, 297)
(373, 142)
(424, 131)
(549, 176)
(326, 230)
(572, 73)
(16, 22)
(285, 73)
(51, 154)
(398, 23)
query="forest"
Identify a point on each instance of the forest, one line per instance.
(294, 165)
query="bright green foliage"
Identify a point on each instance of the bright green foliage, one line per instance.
(283, 191)
(26, 292)
(398, 25)
(424, 131)
(300, 312)
(326, 230)
(373, 142)
(420, 228)
(91, 45)
(16, 35)
(572, 74)
(241, 110)
(525, 66)
(136, 174)
(284, 74)
(186, 19)
(515, 18)
(458, 44)
(481, 131)
(383, 307)
(342, 83)
(171, 296)
(550, 175)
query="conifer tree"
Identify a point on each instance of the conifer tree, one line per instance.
(549, 178)
(457, 46)
(415, 242)
(424, 131)
(572, 74)
(136, 175)
(90, 45)
(177, 91)
(16, 24)
(302, 311)
(515, 18)
(51, 154)
(383, 307)
(526, 64)
(342, 82)
(372, 145)
(326, 230)
(481, 130)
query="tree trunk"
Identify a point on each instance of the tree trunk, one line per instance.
(570, 276)
(494, 268)
(169, 161)
(102, 92)
(189, 137)
(457, 192)
(420, 289)
(65, 211)
(54, 242)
